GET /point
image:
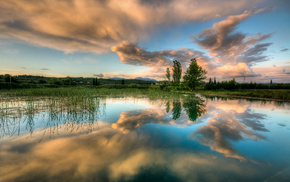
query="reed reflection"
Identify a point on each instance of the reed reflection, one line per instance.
(26, 116)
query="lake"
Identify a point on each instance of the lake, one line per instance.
(138, 139)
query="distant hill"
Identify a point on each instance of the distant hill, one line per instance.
(145, 79)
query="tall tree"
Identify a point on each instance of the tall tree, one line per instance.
(168, 74)
(209, 81)
(177, 70)
(194, 75)
(123, 81)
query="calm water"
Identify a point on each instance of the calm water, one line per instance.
(137, 139)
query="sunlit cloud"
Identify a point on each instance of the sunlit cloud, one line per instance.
(95, 25)
(234, 52)
(157, 61)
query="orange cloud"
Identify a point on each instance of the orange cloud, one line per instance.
(95, 26)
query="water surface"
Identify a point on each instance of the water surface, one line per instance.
(137, 139)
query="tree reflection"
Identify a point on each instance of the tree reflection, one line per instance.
(194, 108)
(176, 110)
(167, 106)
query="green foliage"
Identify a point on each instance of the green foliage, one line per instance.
(168, 74)
(177, 70)
(95, 82)
(55, 81)
(194, 75)
(67, 81)
(42, 81)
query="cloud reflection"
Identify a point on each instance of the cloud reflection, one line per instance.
(183, 113)
(229, 122)
(108, 155)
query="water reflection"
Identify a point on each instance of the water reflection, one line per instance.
(229, 123)
(193, 108)
(109, 155)
(143, 140)
(28, 115)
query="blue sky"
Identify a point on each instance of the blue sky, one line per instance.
(242, 39)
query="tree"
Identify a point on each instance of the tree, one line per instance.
(194, 75)
(123, 82)
(168, 74)
(55, 81)
(271, 82)
(177, 70)
(67, 81)
(8, 78)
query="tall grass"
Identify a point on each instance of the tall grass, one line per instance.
(81, 92)
(64, 105)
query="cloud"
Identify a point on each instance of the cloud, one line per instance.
(278, 74)
(157, 61)
(236, 70)
(233, 51)
(224, 44)
(284, 50)
(44, 69)
(96, 25)
(132, 54)
(100, 75)
(254, 54)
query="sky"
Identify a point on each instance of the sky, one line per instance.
(248, 40)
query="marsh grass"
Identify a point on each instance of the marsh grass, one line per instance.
(21, 108)
(152, 92)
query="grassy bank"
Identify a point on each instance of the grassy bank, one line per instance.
(152, 92)
(275, 94)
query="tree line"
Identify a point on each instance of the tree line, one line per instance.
(193, 77)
